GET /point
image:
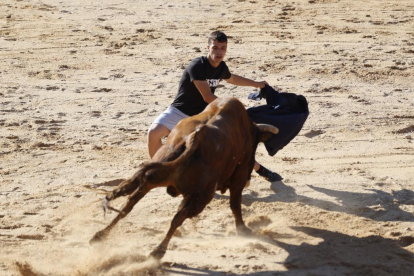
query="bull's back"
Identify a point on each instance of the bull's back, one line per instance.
(221, 141)
(226, 114)
(228, 140)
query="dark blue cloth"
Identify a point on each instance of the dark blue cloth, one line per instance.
(286, 111)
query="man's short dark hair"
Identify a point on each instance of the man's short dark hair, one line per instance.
(217, 36)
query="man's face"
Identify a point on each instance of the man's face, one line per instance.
(217, 51)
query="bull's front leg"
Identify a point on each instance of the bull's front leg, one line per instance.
(235, 205)
(177, 221)
(189, 207)
(132, 200)
(182, 214)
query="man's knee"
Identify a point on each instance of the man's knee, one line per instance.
(156, 132)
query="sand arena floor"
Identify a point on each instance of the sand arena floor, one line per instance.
(81, 82)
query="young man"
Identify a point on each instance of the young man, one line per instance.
(196, 90)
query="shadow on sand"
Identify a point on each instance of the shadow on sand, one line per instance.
(336, 254)
(375, 204)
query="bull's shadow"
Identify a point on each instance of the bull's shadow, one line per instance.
(335, 254)
(341, 254)
(375, 204)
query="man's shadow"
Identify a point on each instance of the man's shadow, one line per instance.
(375, 204)
(335, 254)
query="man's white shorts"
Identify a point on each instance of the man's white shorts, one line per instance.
(170, 117)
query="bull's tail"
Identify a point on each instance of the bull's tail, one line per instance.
(155, 173)
(160, 172)
(97, 190)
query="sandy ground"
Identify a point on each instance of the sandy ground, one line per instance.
(81, 82)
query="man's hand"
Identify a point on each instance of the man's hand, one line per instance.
(261, 84)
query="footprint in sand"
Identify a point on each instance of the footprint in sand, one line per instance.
(406, 241)
(405, 130)
(102, 90)
(41, 145)
(31, 237)
(96, 114)
(314, 133)
(118, 115)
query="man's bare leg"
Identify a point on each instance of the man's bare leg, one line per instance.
(155, 134)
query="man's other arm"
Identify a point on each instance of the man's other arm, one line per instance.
(205, 90)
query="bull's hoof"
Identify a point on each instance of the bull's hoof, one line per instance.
(159, 252)
(244, 231)
(97, 238)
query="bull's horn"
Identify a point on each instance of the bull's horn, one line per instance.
(269, 128)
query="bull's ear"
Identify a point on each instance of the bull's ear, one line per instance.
(267, 132)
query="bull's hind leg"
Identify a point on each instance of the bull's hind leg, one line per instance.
(132, 200)
(235, 205)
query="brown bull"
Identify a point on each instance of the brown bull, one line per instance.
(211, 151)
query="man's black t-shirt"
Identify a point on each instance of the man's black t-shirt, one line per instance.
(188, 99)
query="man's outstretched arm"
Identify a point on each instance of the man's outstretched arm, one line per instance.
(242, 81)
